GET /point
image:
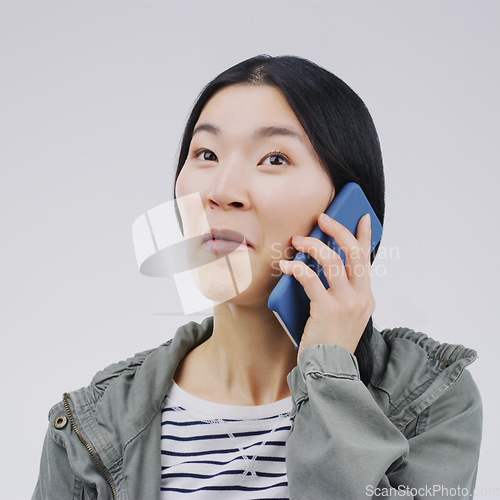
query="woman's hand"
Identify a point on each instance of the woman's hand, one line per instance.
(338, 315)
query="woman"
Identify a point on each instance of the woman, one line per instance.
(229, 409)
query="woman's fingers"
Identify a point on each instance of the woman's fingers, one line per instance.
(364, 233)
(356, 249)
(337, 315)
(340, 278)
(306, 277)
(328, 259)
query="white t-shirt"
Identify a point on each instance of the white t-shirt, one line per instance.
(223, 452)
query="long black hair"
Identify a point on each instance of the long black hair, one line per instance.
(336, 122)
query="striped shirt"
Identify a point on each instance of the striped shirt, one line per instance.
(214, 451)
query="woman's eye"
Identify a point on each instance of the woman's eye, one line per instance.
(206, 154)
(275, 160)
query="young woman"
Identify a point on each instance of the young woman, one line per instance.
(228, 408)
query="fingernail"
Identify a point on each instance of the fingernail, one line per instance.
(324, 217)
(296, 237)
(368, 218)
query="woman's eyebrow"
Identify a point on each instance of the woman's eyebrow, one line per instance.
(274, 130)
(207, 127)
(259, 133)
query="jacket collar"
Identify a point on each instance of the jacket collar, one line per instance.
(410, 367)
(411, 370)
(115, 413)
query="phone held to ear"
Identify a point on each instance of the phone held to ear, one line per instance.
(288, 300)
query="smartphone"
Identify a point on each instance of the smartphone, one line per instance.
(288, 300)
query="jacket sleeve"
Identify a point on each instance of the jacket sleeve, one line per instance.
(56, 478)
(342, 445)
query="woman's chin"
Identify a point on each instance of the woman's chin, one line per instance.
(224, 280)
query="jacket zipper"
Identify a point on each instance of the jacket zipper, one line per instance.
(95, 459)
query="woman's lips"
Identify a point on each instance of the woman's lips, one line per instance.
(223, 241)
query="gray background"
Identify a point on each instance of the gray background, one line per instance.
(94, 98)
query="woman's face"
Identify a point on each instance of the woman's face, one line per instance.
(256, 173)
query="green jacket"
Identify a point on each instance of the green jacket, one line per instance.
(417, 425)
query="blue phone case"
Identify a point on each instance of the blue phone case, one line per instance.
(288, 300)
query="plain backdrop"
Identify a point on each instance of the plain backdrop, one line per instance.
(94, 97)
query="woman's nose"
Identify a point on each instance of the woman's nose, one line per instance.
(229, 188)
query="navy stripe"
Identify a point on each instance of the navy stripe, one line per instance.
(182, 424)
(209, 421)
(201, 422)
(221, 436)
(219, 462)
(204, 476)
(198, 453)
(270, 459)
(224, 466)
(224, 488)
(214, 462)
(223, 473)
(222, 451)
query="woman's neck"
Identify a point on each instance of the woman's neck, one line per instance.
(244, 362)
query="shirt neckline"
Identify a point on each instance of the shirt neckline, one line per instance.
(178, 397)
